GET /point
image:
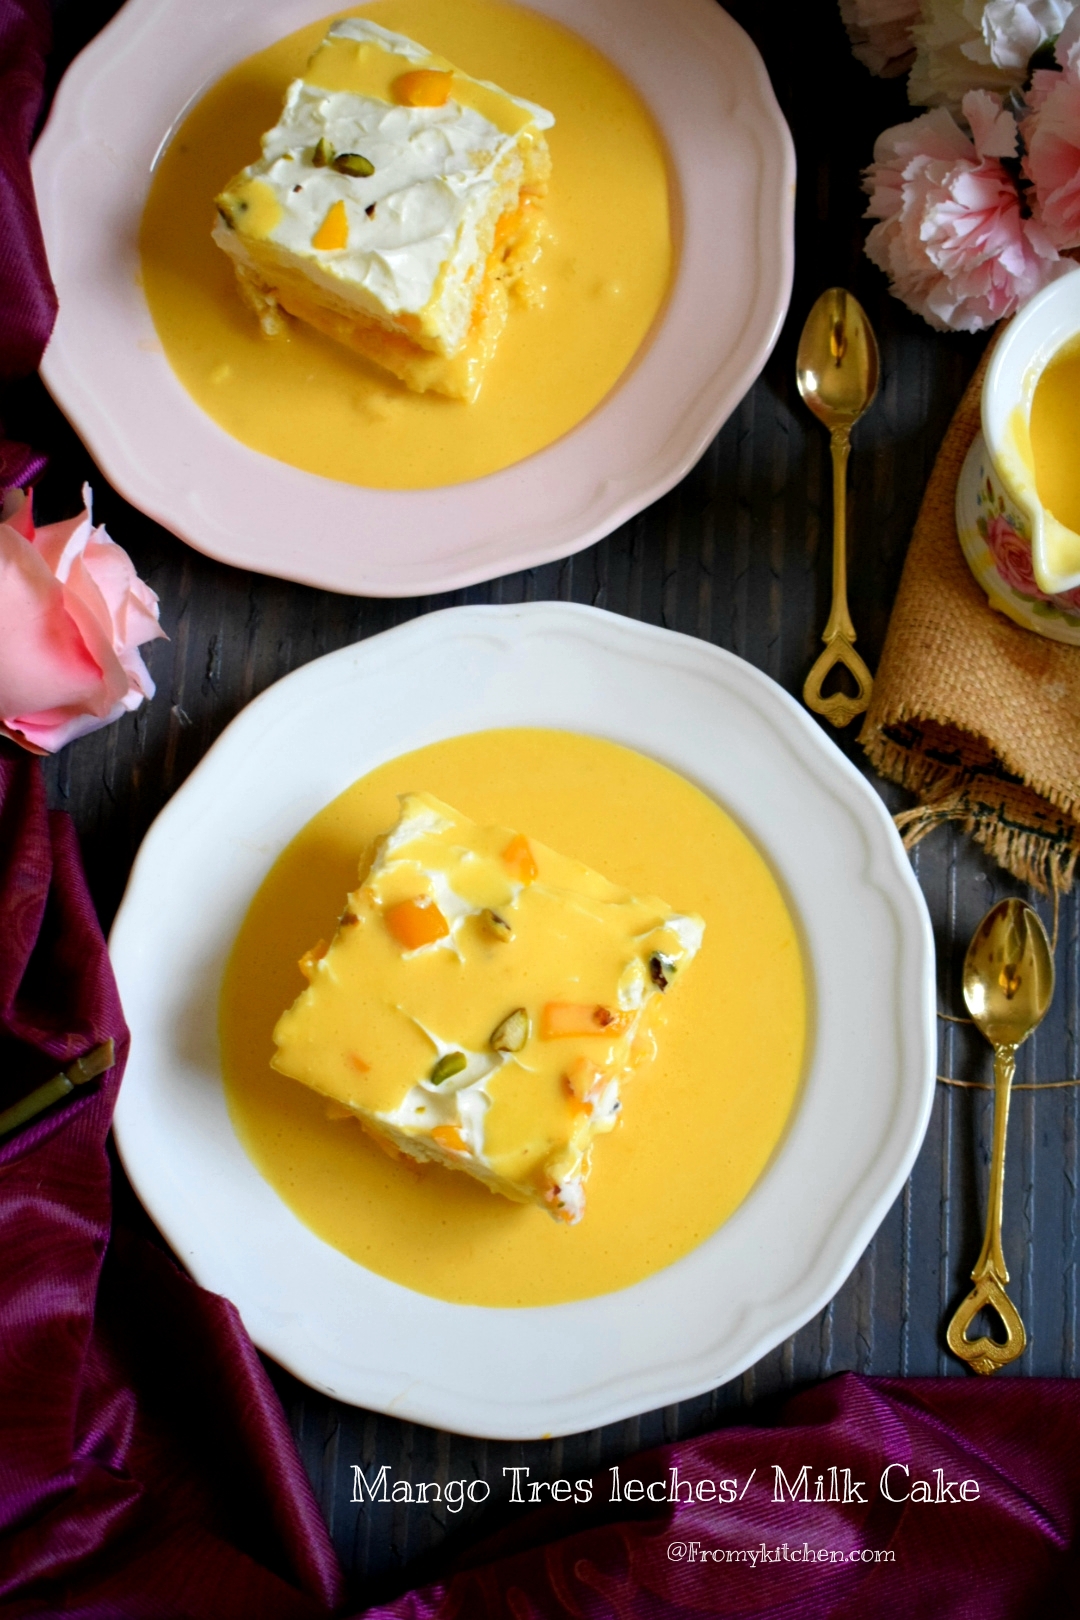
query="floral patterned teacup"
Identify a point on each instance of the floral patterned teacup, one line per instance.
(1036, 555)
(996, 540)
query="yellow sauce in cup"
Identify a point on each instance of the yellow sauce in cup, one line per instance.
(699, 1123)
(308, 401)
(1054, 430)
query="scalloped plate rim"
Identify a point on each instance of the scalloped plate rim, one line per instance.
(660, 1340)
(578, 507)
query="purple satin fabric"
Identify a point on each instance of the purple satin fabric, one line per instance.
(1011, 1555)
(27, 297)
(147, 1470)
(19, 465)
(146, 1465)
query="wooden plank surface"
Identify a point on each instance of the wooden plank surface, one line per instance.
(738, 554)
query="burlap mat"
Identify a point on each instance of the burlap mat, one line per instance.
(978, 717)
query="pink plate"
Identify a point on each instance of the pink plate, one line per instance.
(735, 169)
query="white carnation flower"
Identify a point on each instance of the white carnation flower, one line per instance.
(1013, 30)
(880, 33)
(964, 45)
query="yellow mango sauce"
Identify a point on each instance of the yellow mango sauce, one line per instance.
(305, 400)
(698, 1124)
(1055, 435)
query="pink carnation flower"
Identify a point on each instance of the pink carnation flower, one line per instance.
(73, 613)
(1052, 136)
(880, 33)
(950, 235)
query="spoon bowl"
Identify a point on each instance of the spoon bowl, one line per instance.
(837, 366)
(1009, 974)
(1008, 987)
(836, 370)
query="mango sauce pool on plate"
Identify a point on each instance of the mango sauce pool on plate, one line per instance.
(698, 1124)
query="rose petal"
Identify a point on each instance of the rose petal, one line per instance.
(88, 609)
(132, 606)
(23, 741)
(44, 660)
(52, 729)
(73, 613)
(52, 541)
(141, 681)
(17, 509)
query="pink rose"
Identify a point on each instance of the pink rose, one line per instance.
(950, 234)
(72, 614)
(1052, 135)
(1012, 558)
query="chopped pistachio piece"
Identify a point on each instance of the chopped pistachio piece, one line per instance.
(661, 970)
(353, 163)
(449, 1064)
(498, 926)
(512, 1033)
(323, 154)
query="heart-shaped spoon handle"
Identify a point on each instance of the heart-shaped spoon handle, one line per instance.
(839, 632)
(990, 1273)
(838, 706)
(986, 1355)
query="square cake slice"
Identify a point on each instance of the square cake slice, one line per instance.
(396, 206)
(482, 1003)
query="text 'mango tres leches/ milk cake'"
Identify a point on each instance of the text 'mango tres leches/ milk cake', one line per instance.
(396, 207)
(482, 1002)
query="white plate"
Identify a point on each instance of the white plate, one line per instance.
(857, 1127)
(735, 173)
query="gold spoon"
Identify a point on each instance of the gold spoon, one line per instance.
(1008, 986)
(836, 369)
(88, 1067)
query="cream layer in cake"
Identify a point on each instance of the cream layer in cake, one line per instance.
(396, 207)
(483, 1001)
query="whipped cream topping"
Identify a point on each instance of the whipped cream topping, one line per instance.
(425, 1107)
(412, 849)
(526, 1044)
(421, 818)
(420, 225)
(363, 32)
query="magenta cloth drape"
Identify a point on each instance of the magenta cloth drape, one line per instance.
(27, 297)
(1010, 1554)
(146, 1465)
(147, 1470)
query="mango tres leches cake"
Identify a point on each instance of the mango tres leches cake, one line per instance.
(482, 1002)
(396, 207)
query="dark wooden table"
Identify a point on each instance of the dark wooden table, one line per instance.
(738, 554)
